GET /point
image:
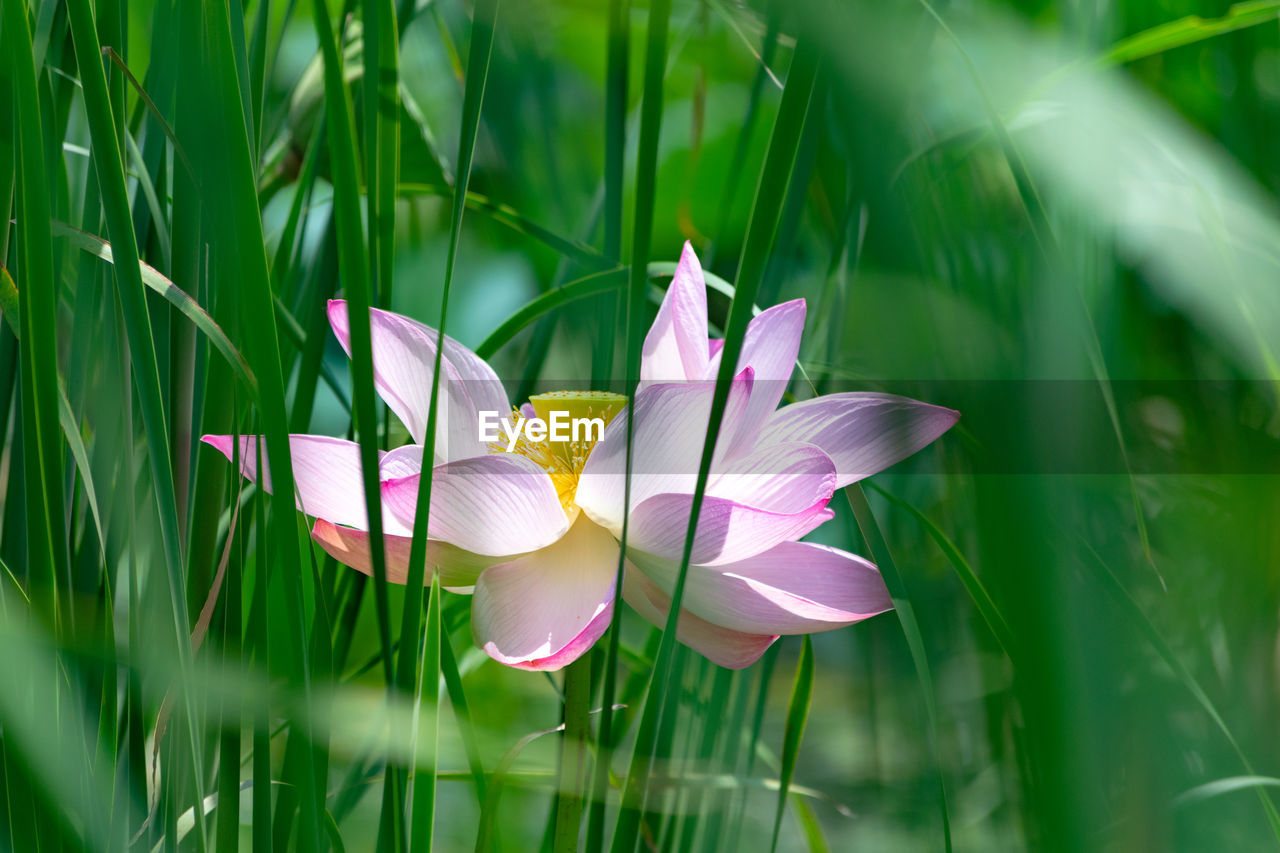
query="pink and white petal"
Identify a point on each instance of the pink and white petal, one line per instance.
(458, 569)
(722, 646)
(676, 347)
(543, 610)
(770, 348)
(783, 478)
(404, 353)
(863, 433)
(326, 473)
(671, 429)
(498, 504)
(403, 461)
(727, 531)
(793, 588)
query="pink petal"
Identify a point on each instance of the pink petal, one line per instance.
(671, 429)
(776, 494)
(458, 569)
(404, 353)
(403, 461)
(770, 348)
(783, 478)
(727, 531)
(676, 347)
(793, 588)
(326, 473)
(545, 609)
(863, 433)
(498, 504)
(722, 646)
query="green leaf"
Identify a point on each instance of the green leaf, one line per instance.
(483, 25)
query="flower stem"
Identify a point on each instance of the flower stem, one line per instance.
(573, 755)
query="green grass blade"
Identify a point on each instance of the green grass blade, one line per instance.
(353, 260)
(797, 716)
(462, 712)
(483, 27)
(736, 165)
(381, 115)
(505, 214)
(351, 254)
(1220, 787)
(771, 191)
(1107, 579)
(422, 817)
(573, 755)
(187, 306)
(37, 306)
(1189, 30)
(911, 630)
(596, 283)
(116, 209)
(973, 585)
(625, 831)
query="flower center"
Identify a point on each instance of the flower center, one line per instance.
(563, 460)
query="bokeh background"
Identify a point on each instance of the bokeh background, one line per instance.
(1059, 218)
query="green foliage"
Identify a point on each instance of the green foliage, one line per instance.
(1059, 219)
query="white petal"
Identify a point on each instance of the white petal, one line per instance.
(404, 354)
(676, 347)
(497, 504)
(793, 588)
(863, 433)
(722, 646)
(545, 609)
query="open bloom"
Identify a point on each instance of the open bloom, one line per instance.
(532, 528)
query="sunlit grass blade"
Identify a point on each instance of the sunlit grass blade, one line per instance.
(797, 716)
(911, 630)
(1189, 30)
(1221, 787)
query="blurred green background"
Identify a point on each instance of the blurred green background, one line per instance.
(1059, 218)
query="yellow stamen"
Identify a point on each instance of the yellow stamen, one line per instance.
(563, 460)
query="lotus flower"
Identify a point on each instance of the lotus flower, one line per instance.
(532, 528)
